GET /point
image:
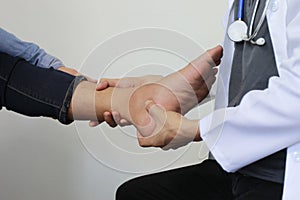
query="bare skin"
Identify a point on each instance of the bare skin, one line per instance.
(83, 104)
(177, 92)
(172, 130)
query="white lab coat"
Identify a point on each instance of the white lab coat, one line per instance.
(265, 121)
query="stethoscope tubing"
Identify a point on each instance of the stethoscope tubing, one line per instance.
(250, 35)
(241, 10)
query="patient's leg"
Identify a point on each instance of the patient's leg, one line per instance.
(191, 84)
(34, 91)
(179, 91)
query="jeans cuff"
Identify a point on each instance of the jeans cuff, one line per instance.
(63, 114)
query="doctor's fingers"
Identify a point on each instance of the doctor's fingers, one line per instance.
(164, 139)
(106, 82)
(114, 119)
(179, 140)
(111, 121)
(149, 141)
(157, 112)
(107, 118)
(94, 123)
(127, 82)
(159, 135)
(119, 120)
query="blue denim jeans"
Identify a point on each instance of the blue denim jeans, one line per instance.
(34, 91)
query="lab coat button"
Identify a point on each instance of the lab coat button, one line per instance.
(274, 5)
(297, 156)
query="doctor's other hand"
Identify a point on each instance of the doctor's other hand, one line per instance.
(171, 129)
(127, 82)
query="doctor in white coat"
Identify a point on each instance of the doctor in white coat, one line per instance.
(233, 140)
(266, 121)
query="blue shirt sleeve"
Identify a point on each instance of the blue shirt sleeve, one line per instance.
(31, 52)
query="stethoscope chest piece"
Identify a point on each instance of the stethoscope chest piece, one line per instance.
(237, 31)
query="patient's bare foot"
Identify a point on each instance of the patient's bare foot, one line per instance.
(179, 91)
(191, 84)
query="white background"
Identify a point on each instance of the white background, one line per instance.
(41, 159)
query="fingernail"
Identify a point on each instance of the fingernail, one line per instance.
(148, 102)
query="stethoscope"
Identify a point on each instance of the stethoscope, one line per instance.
(238, 30)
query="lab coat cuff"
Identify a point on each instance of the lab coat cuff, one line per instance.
(210, 131)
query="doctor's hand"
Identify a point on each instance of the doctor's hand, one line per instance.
(130, 103)
(127, 82)
(170, 129)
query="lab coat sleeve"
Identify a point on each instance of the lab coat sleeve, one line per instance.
(265, 121)
(30, 52)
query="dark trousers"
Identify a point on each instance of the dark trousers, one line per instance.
(205, 181)
(34, 91)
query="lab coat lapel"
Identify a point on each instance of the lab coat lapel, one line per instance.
(225, 67)
(276, 17)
